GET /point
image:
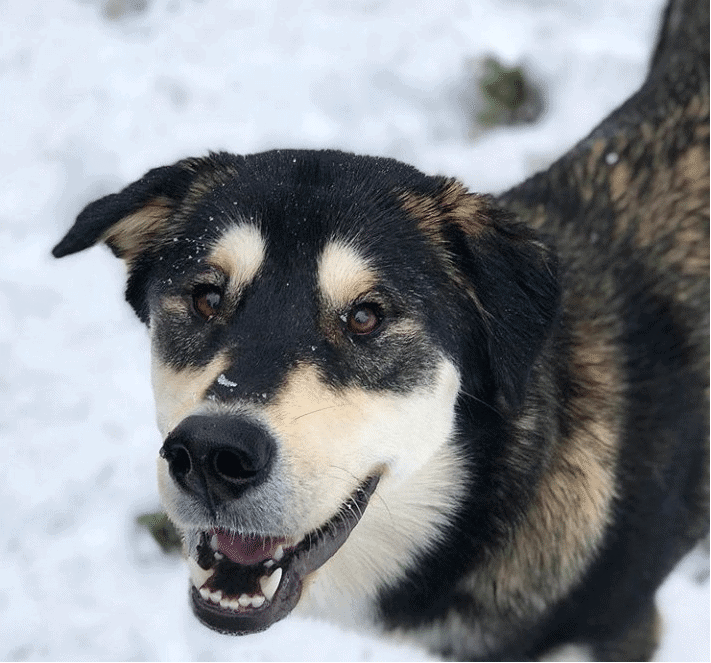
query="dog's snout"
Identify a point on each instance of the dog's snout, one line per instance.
(218, 457)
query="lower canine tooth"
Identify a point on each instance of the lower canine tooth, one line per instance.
(258, 601)
(269, 584)
(205, 593)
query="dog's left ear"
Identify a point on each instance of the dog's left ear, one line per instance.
(128, 220)
(133, 220)
(507, 272)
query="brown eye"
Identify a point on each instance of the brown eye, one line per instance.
(364, 319)
(207, 301)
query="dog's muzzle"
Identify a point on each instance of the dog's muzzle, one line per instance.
(243, 582)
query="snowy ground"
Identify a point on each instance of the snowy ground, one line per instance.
(90, 102)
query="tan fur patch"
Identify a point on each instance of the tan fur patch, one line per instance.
(587, 168)
(692, 166)
(207, 179)
(179, 393)
(332, 439)
(667, 202)
(174, 305)
(130, 235)
(451, 204)
(343, 274)
(620, 177)
(568, 515)
(239, 252)
(430, 220)
(538, 217)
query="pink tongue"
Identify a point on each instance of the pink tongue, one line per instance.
(246, 550)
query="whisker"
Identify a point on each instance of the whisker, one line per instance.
(376, 495)
(301, 416)
(482, 402)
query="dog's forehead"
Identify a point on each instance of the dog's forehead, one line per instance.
(340, 269)
(331, 225)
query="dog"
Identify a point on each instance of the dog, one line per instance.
(477, 423)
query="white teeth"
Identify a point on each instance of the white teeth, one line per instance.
(256, 601)
(244, 601)
(230, 604)
(269, 584)
(198, 575)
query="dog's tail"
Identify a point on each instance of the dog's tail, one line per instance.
(683, 40)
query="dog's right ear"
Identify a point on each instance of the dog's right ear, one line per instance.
(127, 221)
(505, 270)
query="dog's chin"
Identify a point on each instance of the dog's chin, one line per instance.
(243, 584)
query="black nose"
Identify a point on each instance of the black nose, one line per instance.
(217, 458)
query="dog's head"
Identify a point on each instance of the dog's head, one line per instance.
(316, 321)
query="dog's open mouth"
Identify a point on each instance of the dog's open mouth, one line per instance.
(243, 584)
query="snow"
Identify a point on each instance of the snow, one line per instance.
(89, 103)
(224, 381)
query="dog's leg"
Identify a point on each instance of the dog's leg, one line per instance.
(638, 642)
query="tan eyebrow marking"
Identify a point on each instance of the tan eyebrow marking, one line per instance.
(239, 253)
(343, 274)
